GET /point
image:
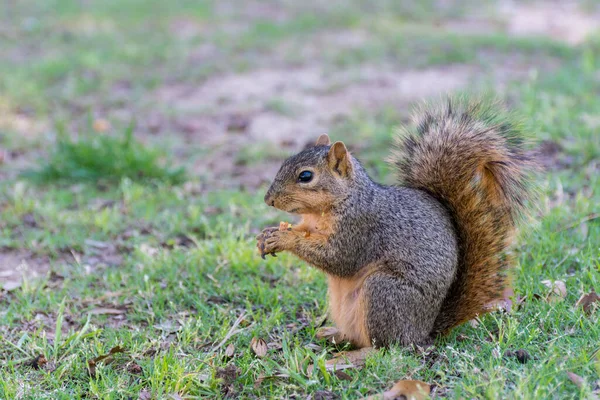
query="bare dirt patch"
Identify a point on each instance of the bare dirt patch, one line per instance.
(17, 264)
(290, 108)
(185, 28)
(287, 108)
(313, 48)
(253, 10)
(313, 96)
(562, 21)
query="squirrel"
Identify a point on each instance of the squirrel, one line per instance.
(407, 263)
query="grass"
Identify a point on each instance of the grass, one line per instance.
(130, 252)
(97, 156)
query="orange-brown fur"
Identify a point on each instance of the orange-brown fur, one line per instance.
(347, 306)
(481, 178)
(316, 225)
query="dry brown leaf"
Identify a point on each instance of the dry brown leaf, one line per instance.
(580, 382)
(100, 299)
(576, 379)
(38, 362)
(259, 347)
(101, 125)
(327, 332)
(134, 368)
(105, 311)
(230, 350)
(342, 375)
(356, 357)
(521, 355)
(314, 347)
(105, 358)
(144, 395)
(259, 380)
(558, 290)
(347, 359)
(410, 390)
(587, 302)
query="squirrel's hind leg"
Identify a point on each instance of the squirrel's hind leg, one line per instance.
(397, 311)
(347, 309)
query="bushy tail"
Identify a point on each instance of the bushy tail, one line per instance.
(472, 159)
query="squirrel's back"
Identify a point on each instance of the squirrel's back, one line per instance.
(471, 159)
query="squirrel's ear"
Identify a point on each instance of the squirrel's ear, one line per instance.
(338, 159)
(323, 140)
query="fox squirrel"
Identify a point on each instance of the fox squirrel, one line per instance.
(406, 263)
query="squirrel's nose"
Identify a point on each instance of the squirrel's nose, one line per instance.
(269, 200)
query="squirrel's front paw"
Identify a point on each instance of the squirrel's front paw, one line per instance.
(270, 241)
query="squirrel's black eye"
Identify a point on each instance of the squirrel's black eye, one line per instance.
(305, 176)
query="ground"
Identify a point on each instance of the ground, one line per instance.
(138, 139)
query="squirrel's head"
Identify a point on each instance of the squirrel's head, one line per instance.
(313, 180)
